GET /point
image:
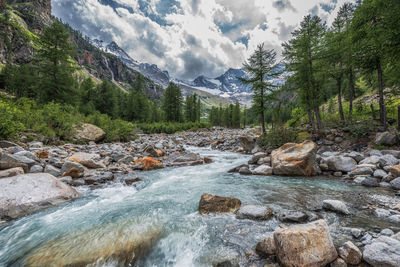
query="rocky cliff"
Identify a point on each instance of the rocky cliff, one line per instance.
(21, 23)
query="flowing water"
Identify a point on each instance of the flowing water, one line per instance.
(165, 206)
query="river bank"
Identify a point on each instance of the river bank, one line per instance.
(158, 209)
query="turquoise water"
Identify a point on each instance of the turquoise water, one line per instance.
(168, 200)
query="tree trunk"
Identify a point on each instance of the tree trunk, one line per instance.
(339, 88)
(311, 117)
(262, 112)
(318, 118)
(382, 108)
(373, 112)
(398, 118)
(351, 97)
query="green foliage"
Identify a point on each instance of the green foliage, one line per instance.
(192, 108)
(172, 103)
(230, 116)
(170, 128)
(277, 137)
(116, 130)
(360, 130)
(10, 127)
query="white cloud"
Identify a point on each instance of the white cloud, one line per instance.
(198, 36)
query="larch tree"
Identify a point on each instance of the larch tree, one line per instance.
(261, 69)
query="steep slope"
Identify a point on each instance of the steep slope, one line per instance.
(23, 21)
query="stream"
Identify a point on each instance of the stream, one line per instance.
(166, 204)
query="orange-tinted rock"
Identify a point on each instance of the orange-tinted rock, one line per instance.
(395, 171)
(42, 154)
(74, 173)
(216, 204)
(295, 159)
(149, 163)
(159, 152)
(207, 160)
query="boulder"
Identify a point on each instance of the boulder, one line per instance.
(295, 159)
(305, 245)
(395, 153)
(256, 157)
(11, 172)
(373, 160)
(52, 170)
(383, 252)
(26, 193)
(292, 216)
(370, 182)
(99, 179)
(395, 171)
(245, 170)
(340, 163)
(336, 206)
(395, 183)
(188, 159)
(350, 253)
(11, 161)
(115, 244)
(42, 154)
(73, 169)
(356, 156)
(87, 160)
(254, 212)
(361, 171)
(149, 163)
(338, 263)
(217, 204)
(386, 139)
(388, 160)
(247, 142)
(266, 247)
(6, 144)
(380, 174)
(263, 170)
(89, 132)
(36, 169)
(151, 151)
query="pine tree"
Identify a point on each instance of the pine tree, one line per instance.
(88, 96)
(172, 103)
(198, 110)
(55, 65)
(303, 54)
(261, 67)
(106, 101)
(236, 116)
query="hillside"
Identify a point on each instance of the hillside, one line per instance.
(20, 41)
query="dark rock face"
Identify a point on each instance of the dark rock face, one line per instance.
(216, 204)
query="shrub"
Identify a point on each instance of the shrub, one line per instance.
(10, 127)
(116, 130)
(277, 137)
(170, 128)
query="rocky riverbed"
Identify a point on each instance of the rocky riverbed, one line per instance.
(351, 219)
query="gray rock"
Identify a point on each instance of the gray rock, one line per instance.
(66, 179)
(370, 182)
(383, 252)
(256, 157)
(68, 165)
(336, 206)
(23, 194)
(385, 138)
(338, 174)
(15, 149)
(12, 159)
(359, 179)
(292, 216)
(394, 218)
(395, 183)
(244, 170)
(361, 171)
(388, 160)
(381, 213)
(380, 174)
(375, 153)
(127, 159)
(366, 239)
(27, 154)
(340, 163)
(395, 153)
(99, 179)
(77, 182)
(350, 253)
(11, 172)
(373, 160)
(36, 169)
(263, 170)
(6, 144)
(254, 212)
(384, 184)
(356, 156)
(338, 263)
(56, 162)
(35, 144)
(52, 170)
(387, 232)
(266, 247)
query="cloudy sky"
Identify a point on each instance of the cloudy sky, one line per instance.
(192, 37)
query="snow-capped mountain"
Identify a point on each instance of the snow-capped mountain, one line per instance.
(227, 85)
(151, 71)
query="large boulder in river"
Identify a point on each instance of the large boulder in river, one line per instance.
(295, 159)
(386, 139)
(87, 160)
(383, 252)
(23, 194)
(114, 244)
(89, 132)
(148, 163)
(305, 245)
(340, 163)
(217, 204)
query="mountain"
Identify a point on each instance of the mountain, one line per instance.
(20, 41)
(150, 71)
